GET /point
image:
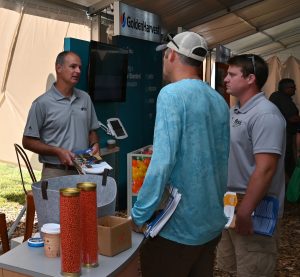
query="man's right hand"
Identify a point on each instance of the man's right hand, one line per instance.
(135, 228)
(65, 156)
(37, 146)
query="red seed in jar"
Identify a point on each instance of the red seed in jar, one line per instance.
(88, 217)
(70, 231)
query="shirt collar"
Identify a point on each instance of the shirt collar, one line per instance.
(58, 96)
(251, 103)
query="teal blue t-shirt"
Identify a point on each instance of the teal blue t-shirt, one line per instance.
(190, 152)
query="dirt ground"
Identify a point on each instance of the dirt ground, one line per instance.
(289, 249)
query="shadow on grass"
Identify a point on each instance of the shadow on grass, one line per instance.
(15, 197)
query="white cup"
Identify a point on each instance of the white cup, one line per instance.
(51, 233)
(111, 143)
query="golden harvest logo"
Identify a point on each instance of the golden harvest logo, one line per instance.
(134, 23)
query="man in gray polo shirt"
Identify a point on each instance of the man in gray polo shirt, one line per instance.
(255, 169)
(62, 120)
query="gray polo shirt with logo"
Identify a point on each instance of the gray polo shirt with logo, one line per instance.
(256, 127)
(60, 121)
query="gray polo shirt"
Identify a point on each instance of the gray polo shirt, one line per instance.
(60, 121)
(256, 127)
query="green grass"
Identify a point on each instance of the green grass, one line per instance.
(11, 189)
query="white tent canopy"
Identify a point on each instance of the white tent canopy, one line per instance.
(268, 28)
(263, 27)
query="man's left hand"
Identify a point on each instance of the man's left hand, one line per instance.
(96, 149)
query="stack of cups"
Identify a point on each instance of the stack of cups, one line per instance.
(51, 232)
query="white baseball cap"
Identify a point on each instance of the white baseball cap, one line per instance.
(189, 44)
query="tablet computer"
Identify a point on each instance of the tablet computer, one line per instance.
(116, 128)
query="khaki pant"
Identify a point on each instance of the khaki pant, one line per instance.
(54, 172)
(248, 256)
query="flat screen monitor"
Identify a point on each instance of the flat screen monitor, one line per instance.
(107, 72)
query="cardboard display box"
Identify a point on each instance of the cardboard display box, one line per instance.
(114, 235)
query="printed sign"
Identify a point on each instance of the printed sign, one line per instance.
(133, 22)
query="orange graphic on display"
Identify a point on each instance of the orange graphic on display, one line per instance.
(139, 169)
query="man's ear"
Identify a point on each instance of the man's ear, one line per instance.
(251, 79)
(58, 68)
(172, 55)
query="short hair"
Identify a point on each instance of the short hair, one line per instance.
(60, 59)
(252, 64)
(189, 61)
(283, 83)
(185, 60)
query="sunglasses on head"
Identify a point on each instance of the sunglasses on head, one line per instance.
(172, 40)
(253, 63)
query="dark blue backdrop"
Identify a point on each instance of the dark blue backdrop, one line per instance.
(137, 114)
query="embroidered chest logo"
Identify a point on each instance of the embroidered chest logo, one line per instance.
(83, 108)
(236, 123)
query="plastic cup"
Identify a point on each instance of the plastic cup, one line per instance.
(51, 233)
(111, 143)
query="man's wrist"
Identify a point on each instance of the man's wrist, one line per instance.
(92, 144)
(244, 211)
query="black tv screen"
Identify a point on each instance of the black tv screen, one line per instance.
(107, 72)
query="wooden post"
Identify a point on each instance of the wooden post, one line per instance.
(30, 211)
(3, 233)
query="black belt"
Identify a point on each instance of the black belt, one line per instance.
(60, 166)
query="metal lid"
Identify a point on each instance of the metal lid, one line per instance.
(87, 186)
(51, 228)
(71, 274)
(69, 192)
(35, 242)
(93, 265)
